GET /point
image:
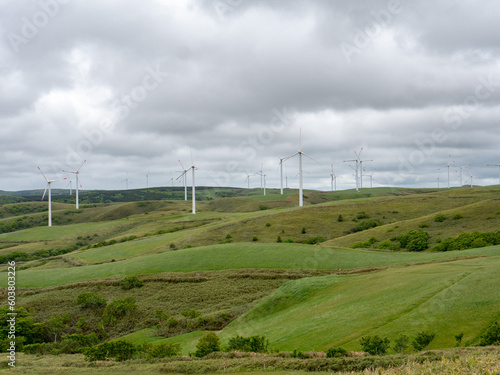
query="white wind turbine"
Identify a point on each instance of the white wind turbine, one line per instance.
(193, 188)
(147, 180)
(460, 170)
(448, 166)
(281, 173)
(301, 172)
(49, 188)
(371, 178)
(495, 165)
(77, 174)
(334, 180)
(357, 167)
(184, 180)
(70, 184)
(262, 177)
(247, 180)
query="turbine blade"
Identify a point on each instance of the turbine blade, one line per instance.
(43, 196)
(78, 170)
(43, 174)
(317, 162)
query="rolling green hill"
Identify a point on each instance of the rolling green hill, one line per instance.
(246, 257)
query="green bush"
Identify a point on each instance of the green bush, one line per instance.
(415, 240)
(207, 344)
(336, 352)
(374, 345)
(255, 239)
(118, 309)
(314, 240)
(164, 349)
(439, 218)
(401, 343)
(256, 344)
(289, 240)
(130, 282)
(191, 313)
(361, 215)
(389, 245)
(491, 336)
(457, 216)
(120, 350)
(468, 241)
(90, 300)
(364, 225)
(340, 218)
(422, 340)
(279, 240)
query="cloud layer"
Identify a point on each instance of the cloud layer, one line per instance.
(230, 85)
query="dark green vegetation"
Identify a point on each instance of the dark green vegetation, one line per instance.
(386, 271)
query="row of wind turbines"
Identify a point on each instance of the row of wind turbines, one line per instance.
(358, 174)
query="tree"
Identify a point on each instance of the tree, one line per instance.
(491, 336)
(374, 345)
(401, 343)
(207, 344)
(422, 340)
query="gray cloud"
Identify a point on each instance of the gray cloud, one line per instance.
(135, 86)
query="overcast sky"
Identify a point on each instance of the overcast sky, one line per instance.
(134, 86)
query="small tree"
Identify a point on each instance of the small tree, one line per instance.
(90, 300)
(374, 345)
(422, 340)
(458, 338)
(336, 352)
(207, 344)
(131, 282)
(491, 336)
(401, 343)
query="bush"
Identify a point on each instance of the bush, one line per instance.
(90, 300)
(268, 224)
(162, 350)
(468, 241)
(374, 344)
(118, 309)
(491, 336)
(340, 218)
(120, 350)
(314, 240)
(364, 225)
(361, 215)
(207, 344)
(422, 340)
(336, 352)
(279, 240)
(457, 216)
(439, 218)
(401, 343)
(131, 282)
(289, 240)
(256, 344)
(191, 313)
(415, 240)
(255, 239)
(304, 230)
(389, 245)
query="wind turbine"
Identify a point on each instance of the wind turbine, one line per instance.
(460, 168)
(49, 188)
(262, 177)
(471, 178)
(301, 172)
(495, 165)
(184, 179)
(448, 166)
(281, 173)
(357, 166)
(77, 174)
(247, 179)
(70, 184)
(334, 180)
(147, 180)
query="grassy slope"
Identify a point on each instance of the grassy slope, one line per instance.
(233, 256)
(318, 313)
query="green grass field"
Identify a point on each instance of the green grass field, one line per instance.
(304, 297)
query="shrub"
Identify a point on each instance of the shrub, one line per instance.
(389, 245)
(207, 344)
(364, 225)
(164, 349)
(361, 215)
(458, 338)
(268, 224)
(374, 345)
(423, 225)
(256, 344)
(118, 309)
(121, 350)
(439, 218)
(255, 239)
(336, 352)
(422, 340)
(491, 336)
(314, 240)
(279, 240)
(130, 282)
(90, 300)
(289, 240)
(340, 218)
(457, 216)
(401, 343)
(415, 240)
(190, 313)
(304, 230)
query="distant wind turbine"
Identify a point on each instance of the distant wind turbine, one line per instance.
(184, 179)
(301, 171)
(262, 177)
(77, 174)
(334, 180)
(49, 188)
(247, 180)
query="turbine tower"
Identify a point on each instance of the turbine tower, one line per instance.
(77, 174)
(301, 172)
(247, 180)
(147, 180)
(357, 167)
(183, 176)
(495, 165)
(49, 188)
(334, 180)
(262, 177)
